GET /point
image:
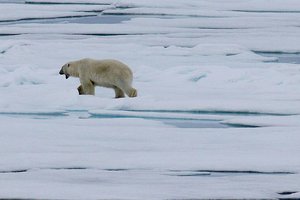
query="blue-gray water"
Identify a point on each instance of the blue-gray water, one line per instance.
(282, 57)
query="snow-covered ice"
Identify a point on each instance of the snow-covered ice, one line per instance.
(217, 113)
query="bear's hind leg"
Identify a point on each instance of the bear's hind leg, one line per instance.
(130, 91)
(119, 93)
(126, 87)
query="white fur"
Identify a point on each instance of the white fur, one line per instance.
(106, 73)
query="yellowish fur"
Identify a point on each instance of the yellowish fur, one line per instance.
(106, 73)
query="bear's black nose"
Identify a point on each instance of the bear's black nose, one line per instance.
(61, 72)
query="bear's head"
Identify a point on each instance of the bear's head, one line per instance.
(70, 69)
(65, 70)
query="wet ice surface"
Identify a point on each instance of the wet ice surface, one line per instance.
(293, 58)
(217, 115)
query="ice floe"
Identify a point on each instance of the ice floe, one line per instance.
(217, 114)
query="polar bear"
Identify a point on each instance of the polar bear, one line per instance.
(106, 73)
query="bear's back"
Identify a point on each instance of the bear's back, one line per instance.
(108, 71)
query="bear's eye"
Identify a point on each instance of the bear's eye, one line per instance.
(68, 65)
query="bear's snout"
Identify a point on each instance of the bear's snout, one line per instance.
(61, 72)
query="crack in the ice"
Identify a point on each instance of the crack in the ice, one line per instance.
(114, 34)
(244, 172)
(50, 114)
(9, 34)
(287, 192)
(14, 171)
(190, 172)
(215, 112)
(180, 122)
(267, 11)
(239, 125)
(116, 169)
(64, 3)
(178, 173)
(276, 52)
(161, 15)
(46, 18)
(68, 168)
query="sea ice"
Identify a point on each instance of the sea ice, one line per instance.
(193, 61)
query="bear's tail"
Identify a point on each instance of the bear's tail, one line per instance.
(132, 92)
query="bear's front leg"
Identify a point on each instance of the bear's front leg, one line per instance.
(80, 90)
(88, 88)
